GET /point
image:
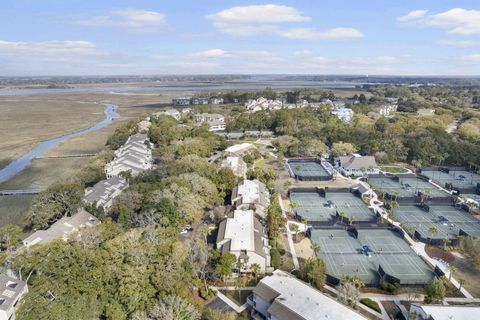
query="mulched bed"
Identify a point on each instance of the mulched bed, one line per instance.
(392, 310)
(436, 252)
(453, 292)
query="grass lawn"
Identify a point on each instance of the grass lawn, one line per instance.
(394, 169)
(234, 295)
(13, 208)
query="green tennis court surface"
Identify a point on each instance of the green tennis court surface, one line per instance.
(459, 179)
(343, 256)
(431, 226)
(312, 207)
(406, 187)
(304, 169)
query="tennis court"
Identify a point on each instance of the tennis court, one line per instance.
(344, 255)
(351, 206)
(406, 187)
(312, 207)
(438, 223)
(458, 179)
(310, 170)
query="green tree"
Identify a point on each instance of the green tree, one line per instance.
(223, 264)
(59, 200)
(255, 269)
(10, 236)
(314, 271)
(433, 232)
(436, 290)
(342, 148)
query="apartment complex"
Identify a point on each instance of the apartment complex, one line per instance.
(135, 156)
(62, 229)
(11, 292)
(281, 296)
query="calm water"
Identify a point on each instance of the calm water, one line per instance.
(40, 149)
(212, 87)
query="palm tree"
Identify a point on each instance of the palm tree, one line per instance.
(294, 229)
(353, 219)
(293, 205)
(239, 284)
(446, 241)
(315, 247)
(433, 231)
(461, 282)
(342, 216)
(452, 270)
(255, 268)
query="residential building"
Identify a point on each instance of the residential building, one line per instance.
(169, 112)
(197, 101)
(386, 110)
(239, 149)
(264, 104)
(12, 291)
(243, 235)
(135, 156)
(344, 114)
(355, 164)
(259, 133)
(237, 165)
(281, 296)
(103, 192)
(209, 117)
(216, 122)
(445, 312)
(235, 135)
(425, 112)
(181, 101)
(62, 229)
(252, 194)
(216, 100)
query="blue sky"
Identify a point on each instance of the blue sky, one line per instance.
(87, 37)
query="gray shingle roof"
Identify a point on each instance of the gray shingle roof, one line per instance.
(10, 289)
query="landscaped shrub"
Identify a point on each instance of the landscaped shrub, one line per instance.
(392, 288)
(371, 304)
(281, 251)
(275, 258)
(207, 294)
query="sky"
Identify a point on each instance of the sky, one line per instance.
(107, 37)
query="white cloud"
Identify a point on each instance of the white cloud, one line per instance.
(220, 53)
(310, 34)
(473, 58)
(457, 21)
(259, 14)
(133, 19)
(213, 53)
(457, 43)
(303, 53)
(413, 15)
(255, 20)
(49, 50)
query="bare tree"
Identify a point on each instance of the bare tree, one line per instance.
(174, 308)
(348, 294)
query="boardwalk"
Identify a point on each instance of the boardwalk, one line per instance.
(18, 192)
(80, 155)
